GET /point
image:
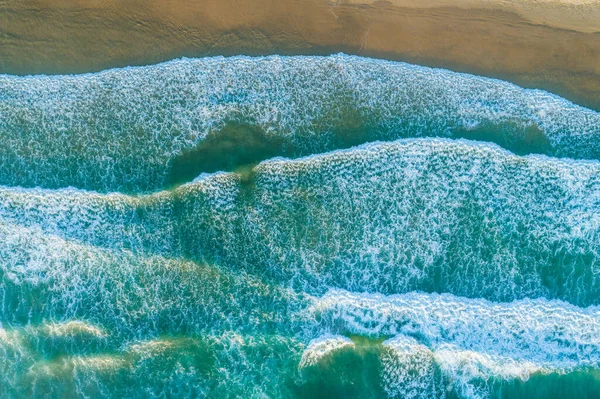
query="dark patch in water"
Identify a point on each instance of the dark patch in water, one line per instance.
(517, 139)
(239, 147)
(236, 146)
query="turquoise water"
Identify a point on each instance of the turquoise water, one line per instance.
(296, 227)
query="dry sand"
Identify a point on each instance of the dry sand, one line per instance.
(578, 15)
(549, 44)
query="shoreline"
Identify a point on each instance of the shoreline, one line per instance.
(520, 43)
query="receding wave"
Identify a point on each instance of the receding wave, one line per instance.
(140, 129)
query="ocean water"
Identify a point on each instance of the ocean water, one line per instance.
(148, 128)
(296, 227)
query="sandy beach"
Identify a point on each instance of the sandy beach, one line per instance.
(577, 15)
(548, 44)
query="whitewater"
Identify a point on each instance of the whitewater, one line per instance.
(296, 227)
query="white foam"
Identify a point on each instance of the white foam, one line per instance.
(122, 127)
(408, 369)
(412, 370)
(504, 339)
(119, 293)
(74, 327)
(385, 217)
(323, 346)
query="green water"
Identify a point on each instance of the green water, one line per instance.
(296, 227)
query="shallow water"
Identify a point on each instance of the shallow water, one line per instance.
(428, 234)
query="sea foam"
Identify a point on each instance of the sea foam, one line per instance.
(417, 214)
(133, 129)
(468, 341)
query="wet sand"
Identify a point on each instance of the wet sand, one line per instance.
(548, 44)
